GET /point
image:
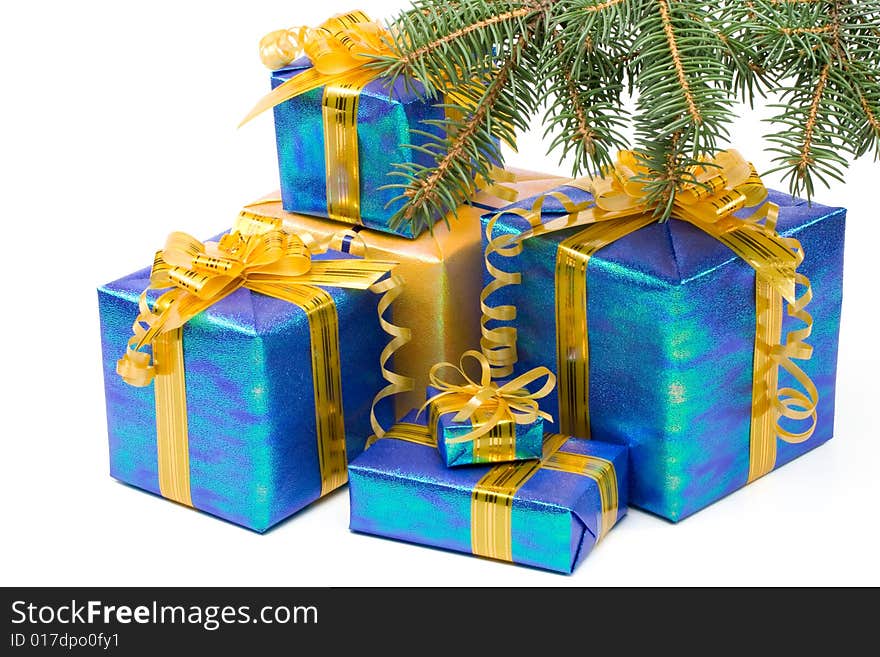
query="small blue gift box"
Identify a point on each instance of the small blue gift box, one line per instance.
(506, 441)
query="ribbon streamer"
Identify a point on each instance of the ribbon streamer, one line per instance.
(511, 401)
(269, 261)
(716, 201)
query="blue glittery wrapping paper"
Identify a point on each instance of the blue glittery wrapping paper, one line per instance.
(671, 329)
(403, 490)
(529, 439)
(385, 120)
(250, 398)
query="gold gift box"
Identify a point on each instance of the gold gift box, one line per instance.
(443, 272)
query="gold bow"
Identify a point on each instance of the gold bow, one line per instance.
(202, 274)
(339, 51)
(716, 200)
(511, 401)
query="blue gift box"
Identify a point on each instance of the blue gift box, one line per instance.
(547, 514)
(386, 118)
(250, 398)
(671, 324)
(507, 441)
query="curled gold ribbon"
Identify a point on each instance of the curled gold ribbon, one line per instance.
(267, 260)
(716, 200)
(511, 401)
(339, 49)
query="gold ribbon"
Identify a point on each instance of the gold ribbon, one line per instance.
(493, 495)
(718, 191)
(486, 404)
(271, 262)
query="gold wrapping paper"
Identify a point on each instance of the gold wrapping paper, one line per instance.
(443, 274)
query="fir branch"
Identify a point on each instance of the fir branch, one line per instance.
(583, 132)
(479, 114)
(408, 59)
(440, 44)
(423, 192)
(806, 155)
(828, 53)
(587, 116)
(688, 60)
(681, 117)
(696, 115)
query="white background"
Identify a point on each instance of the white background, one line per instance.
(118, 126)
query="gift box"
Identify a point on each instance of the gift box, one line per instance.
(257, 401)
(546, 513)
(506, 441)
(440, 301)
(659, 336)
(339, 177)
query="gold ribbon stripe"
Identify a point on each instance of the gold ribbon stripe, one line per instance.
(339, 109)
(172, 432)
(768, 331)
(599, 470)
(497, 445)
(327, 382)
(572, 345)
(492, 497)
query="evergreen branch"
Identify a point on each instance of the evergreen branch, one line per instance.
(408, 59)
(587, 114)
(440, 44)
(583, 131)
(478, 115)
(676, 61)
(688, 60)
(831, 59)
(425, 191)
(806, 158)
(602, 6)
(681, 116)
(871, 117)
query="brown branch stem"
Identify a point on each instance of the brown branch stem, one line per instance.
(427, 189)
(806, 158)
(693, 110)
